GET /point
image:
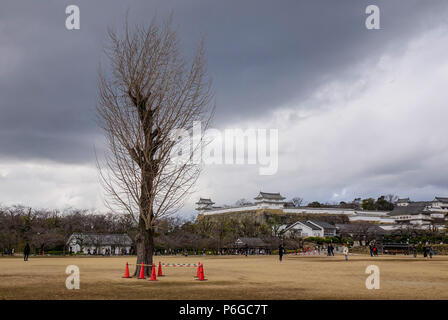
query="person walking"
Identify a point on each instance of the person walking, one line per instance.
(26, 252)
(371, 249)
(280, 252)
(425, 251)
(345, 252)
(375, 250)
(414, 251)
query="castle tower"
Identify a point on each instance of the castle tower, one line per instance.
(269, 200)
(204, 204)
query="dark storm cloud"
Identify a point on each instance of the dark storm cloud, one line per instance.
(261, 54)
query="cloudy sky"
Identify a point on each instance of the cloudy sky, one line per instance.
(359, 112)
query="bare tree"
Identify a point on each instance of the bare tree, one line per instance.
(149, 96)
(242, 202)
(392, 198)
(223, 228)
(297, 201)
(275, 223)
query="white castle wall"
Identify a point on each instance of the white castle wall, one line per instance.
(229, 210)
(371, 216)
(319, 211)
(371, 219)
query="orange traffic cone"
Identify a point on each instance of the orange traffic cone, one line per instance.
(198, 271)
(126, 271)
(142, 272)
(201, 273)
(153, 273)
(159, 271)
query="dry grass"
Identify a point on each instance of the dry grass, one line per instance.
(229, 277)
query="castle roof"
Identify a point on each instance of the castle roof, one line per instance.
(311, 225)
(323, 224)
(442, 199)
(414, 208)
(308, 224)
(269, 196)
(205, 201)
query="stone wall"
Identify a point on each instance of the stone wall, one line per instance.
(263, 215)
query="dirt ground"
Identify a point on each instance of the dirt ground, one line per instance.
(229, 277)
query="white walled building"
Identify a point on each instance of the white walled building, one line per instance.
(310, 228)
(302, 229)
(421, 214)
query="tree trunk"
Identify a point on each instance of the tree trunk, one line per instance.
(144, 242)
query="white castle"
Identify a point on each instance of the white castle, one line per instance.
(420, 214)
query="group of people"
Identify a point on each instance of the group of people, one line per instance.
(8, 251)
(246, 250)
(330, 250)
(91, 252)
(106, 252)
(373, 249)
(26, 251)
(428, 251)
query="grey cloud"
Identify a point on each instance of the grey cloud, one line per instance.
(262, 55)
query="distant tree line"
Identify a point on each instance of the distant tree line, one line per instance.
(383, 203)
(50, 229)
(214, 233)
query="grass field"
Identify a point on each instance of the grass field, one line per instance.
(229, 277)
